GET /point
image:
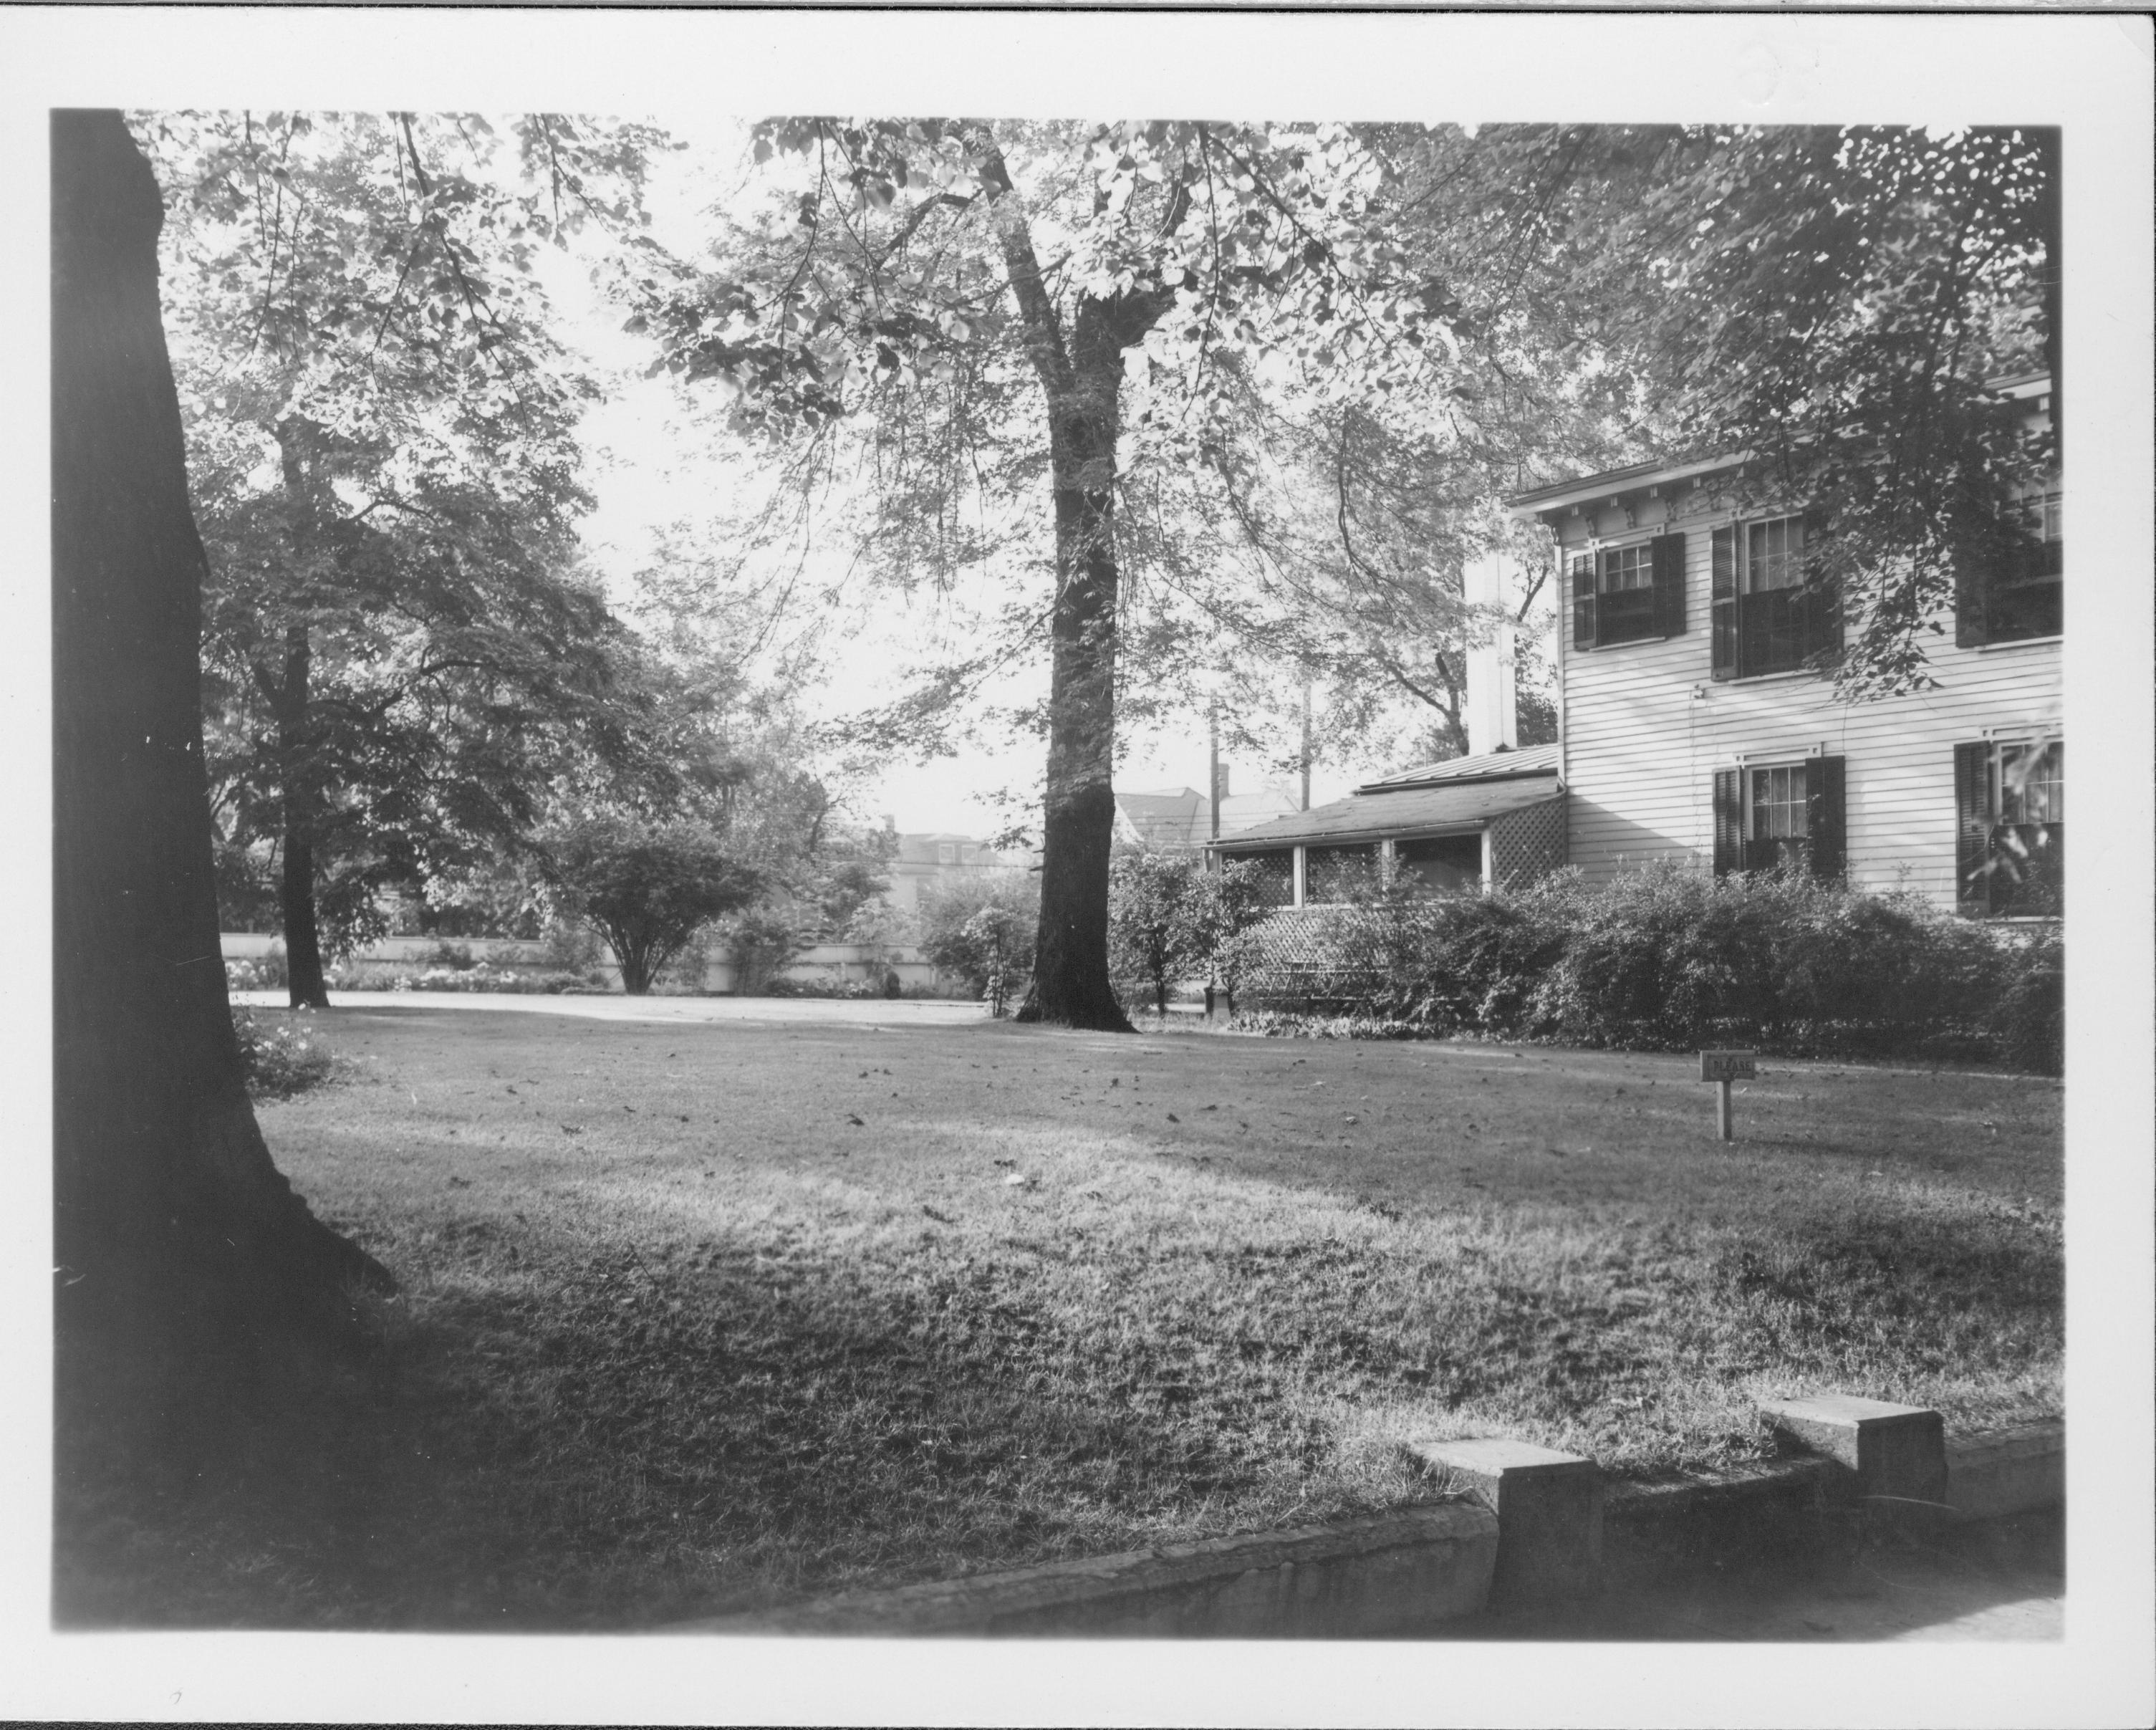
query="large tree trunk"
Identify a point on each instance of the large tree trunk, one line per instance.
(185, 1261)
(1083, 384)
(1070, 983)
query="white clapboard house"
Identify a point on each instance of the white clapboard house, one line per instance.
(1700, 725)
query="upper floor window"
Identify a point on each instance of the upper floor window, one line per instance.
(1770, 615)
(947, 853)
(1627, 593)
(2018, 592)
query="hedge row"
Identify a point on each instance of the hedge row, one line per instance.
(1668, 959)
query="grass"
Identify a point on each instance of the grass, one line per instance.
(701, 1316)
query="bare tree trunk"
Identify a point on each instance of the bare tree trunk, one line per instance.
(185, 1261)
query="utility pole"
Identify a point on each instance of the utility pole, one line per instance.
(1213, 784)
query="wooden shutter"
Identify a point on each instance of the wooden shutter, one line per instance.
(1826, 816)
(1668, 554)
(1723, 604)
(1728, 820)
(1583, 601)
(1973, 828)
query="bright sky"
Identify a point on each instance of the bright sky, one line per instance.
(649, 467)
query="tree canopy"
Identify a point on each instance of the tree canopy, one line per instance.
(399, 642)
(1015, 328)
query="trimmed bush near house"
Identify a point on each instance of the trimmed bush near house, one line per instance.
(1666, 959)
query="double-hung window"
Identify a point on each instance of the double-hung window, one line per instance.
(2019, 594)
(1770, 615)
(1627, 593)
(2010, 800)
(1786, 816)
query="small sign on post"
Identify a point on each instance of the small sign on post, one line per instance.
(1724, 1067)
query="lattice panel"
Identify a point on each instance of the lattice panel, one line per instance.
(1527, 843)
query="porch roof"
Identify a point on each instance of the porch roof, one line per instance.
(1428, 809)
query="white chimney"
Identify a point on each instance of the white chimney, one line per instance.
(1492, 717)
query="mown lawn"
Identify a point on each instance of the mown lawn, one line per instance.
(698, 1318)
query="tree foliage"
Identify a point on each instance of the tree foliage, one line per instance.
(1158, 928)
(647, 890)
(398, 642)
(981, 927)
(1011, 325)
(1835, 303)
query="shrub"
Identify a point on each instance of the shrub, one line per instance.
(480, 977)
(1668, 959)
(280, 1058)
(646, 889)
(1235, 906)
(760, 944)
(951, 940)
(265, 972)
(1157, 929)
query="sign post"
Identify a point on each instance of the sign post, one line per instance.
(1724, 1067)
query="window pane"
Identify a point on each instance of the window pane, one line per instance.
(1774, 632)
(1774, 555)
(1444, 865)
(1628, 568)
(2032, 786)
(1779, 806)
(1338, 873)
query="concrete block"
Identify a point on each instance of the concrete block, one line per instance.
(1548, 1507)
(1897, 1452)
(2007, 1471)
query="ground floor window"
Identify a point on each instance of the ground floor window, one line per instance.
(2010, 800)
(1785, 816)
(1439, 864)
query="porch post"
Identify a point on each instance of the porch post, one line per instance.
(1300, 876)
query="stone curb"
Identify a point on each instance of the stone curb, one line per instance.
(2004, 1472)
(1354, 1580)
(1392, 1574)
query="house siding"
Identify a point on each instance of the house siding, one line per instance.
(1645, 725)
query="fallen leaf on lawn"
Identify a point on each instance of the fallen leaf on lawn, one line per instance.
(857, 1122)
(1350, 1118)
(572, 1129)
(1016, 1180)
(940, 1219)
(1172, 1118)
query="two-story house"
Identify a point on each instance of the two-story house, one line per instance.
(1699, 722)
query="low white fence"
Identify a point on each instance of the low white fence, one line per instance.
(833, 964)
